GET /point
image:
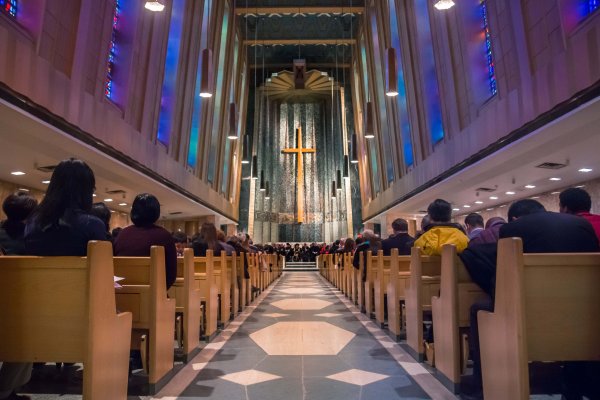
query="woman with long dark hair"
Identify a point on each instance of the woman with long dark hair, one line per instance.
(207, 240)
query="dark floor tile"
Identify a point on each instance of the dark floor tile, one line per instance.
(278, 389)
(323, 388)
(322, 366)
(285, 366)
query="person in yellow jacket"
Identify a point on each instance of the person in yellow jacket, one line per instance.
(441, 230)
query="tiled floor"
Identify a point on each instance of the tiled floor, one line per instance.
(301, 339)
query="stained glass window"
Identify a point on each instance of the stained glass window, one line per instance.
(112, 52)
(214, 142)
(401, 99)
(590, 6)
(9, 7)
(192, 158)
(167, 100)
(489, 56)
(429, 75)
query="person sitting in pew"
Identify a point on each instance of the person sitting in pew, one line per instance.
(137, 239)
(17, 207)
(61, 226)
(491, 232)
(474, 224)
(400, 239)
(370, 242)
(578, 202)
(101, 211)
(229, 250)
(542, 232)
(441, 230)
(207, 240)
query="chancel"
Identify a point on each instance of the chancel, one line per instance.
(280, 188)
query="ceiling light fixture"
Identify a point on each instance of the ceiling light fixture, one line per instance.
(23, 190)
(479, 202)
(555, 179)
(267, 191)
(262, 181)
(207, 72)
(580, 186)
(108, 200)
(585, 170)
(246, 150)
(333, 190)
(122, 204)
(354, 143)
(456, 209)
(254, 173)
(493, 197)
(346, 172)
(510, 193)
(369, 121)
(155, 6)
(555, 193)
(443, 4)
(467, 206)
(529, 186)
(339, 180)
(391, 87)
(17, 173)
(232, 122)
(45, 182)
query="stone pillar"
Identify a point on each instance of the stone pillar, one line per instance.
(412, 227)
(191, 228)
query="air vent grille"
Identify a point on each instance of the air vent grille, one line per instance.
(46, 168)
(551, 165)
(485, 189)
(175, 213)
(116, 191)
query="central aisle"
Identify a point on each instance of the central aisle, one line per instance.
(302, 339)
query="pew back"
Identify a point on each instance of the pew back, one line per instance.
(63, 309)
(206, 282)
(546, 309)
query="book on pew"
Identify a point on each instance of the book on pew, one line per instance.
(117, 279)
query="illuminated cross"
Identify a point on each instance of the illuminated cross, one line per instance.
(299, 150)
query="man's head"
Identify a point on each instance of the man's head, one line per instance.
(400, 225)
(439, 211)
(473, 221)
(524, 207)
(574, 201)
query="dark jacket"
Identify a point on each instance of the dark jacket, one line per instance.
(489, 234)
(401, 241)
(200, 247)
(135, 241)
(12, 240)
(68, 237)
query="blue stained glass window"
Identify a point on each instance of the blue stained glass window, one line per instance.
(401, 100)
(9, 7)
(192, 159)
(590, 6)
(112, 53)
(489, 56)
(428, 71)
(167, 100)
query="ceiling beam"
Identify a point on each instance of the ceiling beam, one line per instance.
(263, 42)
(298, 10)
(310, 65)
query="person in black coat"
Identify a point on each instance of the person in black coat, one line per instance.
(400, 239)
(541, 232)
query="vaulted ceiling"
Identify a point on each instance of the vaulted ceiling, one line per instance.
(319, 31)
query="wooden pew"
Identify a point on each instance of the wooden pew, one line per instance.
(399, 279)
(546, 309)
(353, 279)
(424, 284)
(234, 291)
(144, 293)
(360, 293)
(63, 309)
(188, 303)
(380, 283)
(369, 293)
(243, 283)
(451, 312)
(206, 282)
(223, 287)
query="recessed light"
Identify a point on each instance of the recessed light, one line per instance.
(503, 205)
(108, 200)
(23, 190)
(555, 179)
(467, 206)
(489, 209)
(530, 186)
(535, 197)
(17, 173)
(580, 186)
(456, 209)
(585, 170)
(479, 202)
(493, 197)
(94, 195)
(510, 193)
(122, 204)
(555, 193)
(45, 182)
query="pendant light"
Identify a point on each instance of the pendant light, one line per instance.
(267, 191)
(207, 67)
(333, 190)
(391, 82)
(262, 181)
(155, 6)
(346, 172)
(338, 180)
(354, 159)
(233, 135)
(254, 167)
(246, 150)
(369, 121)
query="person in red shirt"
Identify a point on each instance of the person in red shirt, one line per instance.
(577, 201)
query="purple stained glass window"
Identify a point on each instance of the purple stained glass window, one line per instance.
(112, 52)
(590, 6)
(489, 56)
(9, 7)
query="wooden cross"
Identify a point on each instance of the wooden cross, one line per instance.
(299, 150)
